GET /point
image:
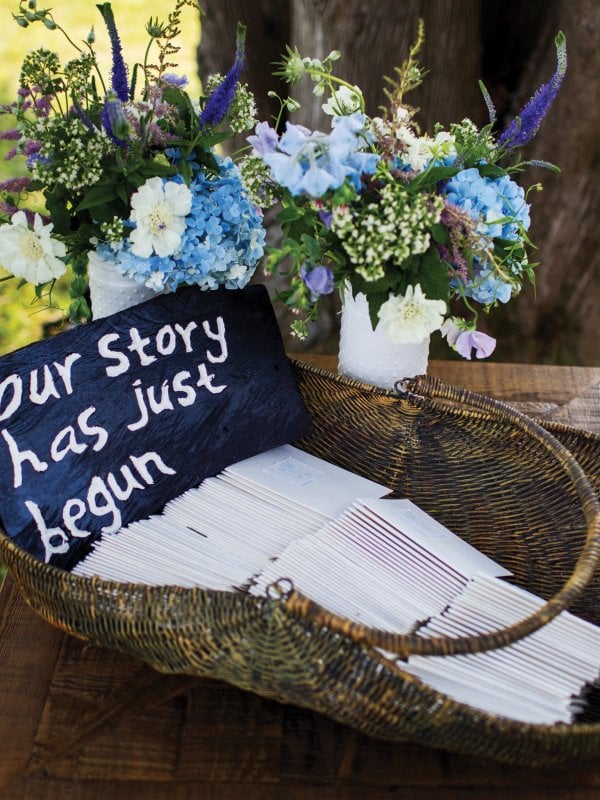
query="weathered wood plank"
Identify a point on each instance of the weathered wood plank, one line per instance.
(28, 651)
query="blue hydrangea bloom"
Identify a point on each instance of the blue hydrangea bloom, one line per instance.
(498, 204)
(487, 288)
(311, 162)
(223, 241)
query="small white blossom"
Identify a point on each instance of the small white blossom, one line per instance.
(159, 210)
(155, 281)
(31, 254)
(417, 151)
(343, 101)
(412, 318)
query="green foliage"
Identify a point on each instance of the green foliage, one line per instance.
(23, 316)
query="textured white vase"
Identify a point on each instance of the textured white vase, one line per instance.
(110, 290)
(369, 355)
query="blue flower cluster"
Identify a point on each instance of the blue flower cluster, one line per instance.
(223, 241)
(498, 205)
(311, 162)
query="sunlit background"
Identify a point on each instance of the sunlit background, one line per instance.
(21, 319)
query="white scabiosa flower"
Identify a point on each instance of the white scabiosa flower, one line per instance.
(411, 318)
(159, 209)
(31, 254)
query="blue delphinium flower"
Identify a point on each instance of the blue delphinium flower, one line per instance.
(221, 245)
(312, 162)
(217, 105)
(119, 70)
(523, 128)
(265, 139)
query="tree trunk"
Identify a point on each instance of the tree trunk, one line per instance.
(560, 322)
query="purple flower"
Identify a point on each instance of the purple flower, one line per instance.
(115, 122)
(319, 281)
(464, 341)
(119, 70)
(467, 341)
(326, 217)
(220, 100)
(76, 107)
(265, 139)
(11, 135)
(15, 184)
(524, 127)
(177, 81)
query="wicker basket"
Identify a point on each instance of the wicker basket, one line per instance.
(488, 473)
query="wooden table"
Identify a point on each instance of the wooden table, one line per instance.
(81, 723)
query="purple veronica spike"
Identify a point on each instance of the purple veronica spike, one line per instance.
(524, 127)
(15, 184)
(11, 135)
(220, 100)
(83, 117)
(119, 71)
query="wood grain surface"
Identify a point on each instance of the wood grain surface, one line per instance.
(81, 723)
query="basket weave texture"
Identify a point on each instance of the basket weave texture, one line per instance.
(493, 476)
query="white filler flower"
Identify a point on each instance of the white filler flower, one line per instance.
(159, 210)
(31, 254)
(412, 318)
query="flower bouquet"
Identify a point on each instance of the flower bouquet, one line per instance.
(425, 230)
(126, 168)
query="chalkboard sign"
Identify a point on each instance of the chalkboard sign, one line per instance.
(106, 422)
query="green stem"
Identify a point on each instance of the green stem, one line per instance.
(328, 76)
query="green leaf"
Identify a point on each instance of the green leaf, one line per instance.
(433, 276)
(122, 193)
(491, 171)
(290, 214)
(153, 168)
(376, 300)
(429, 178)
(98, 195)
(59, 213)
(440, 233)
(311, 247)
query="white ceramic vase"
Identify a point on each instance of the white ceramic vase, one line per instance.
(110, 290)
(369, 355)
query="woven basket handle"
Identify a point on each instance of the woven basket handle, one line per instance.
(418, 391)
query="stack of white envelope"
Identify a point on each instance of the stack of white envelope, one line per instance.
(382, 562)
(221, 533)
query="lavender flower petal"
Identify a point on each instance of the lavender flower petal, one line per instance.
(319, 281)
(523, 128)
(220, 100)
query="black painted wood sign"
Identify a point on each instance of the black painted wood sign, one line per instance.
(104, 423)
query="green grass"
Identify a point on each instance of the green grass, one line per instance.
(20, 321)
